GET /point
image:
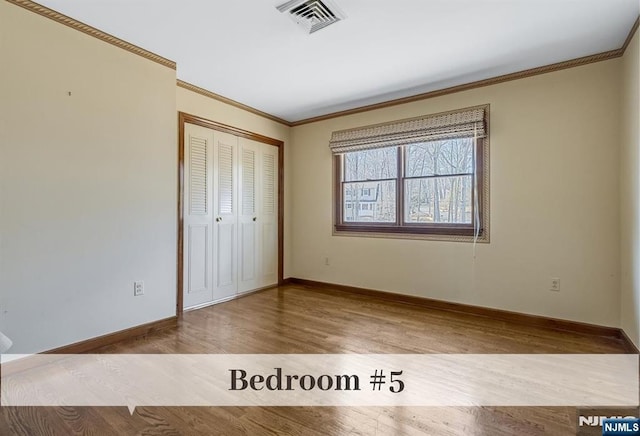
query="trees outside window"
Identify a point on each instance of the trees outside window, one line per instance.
(423, 187)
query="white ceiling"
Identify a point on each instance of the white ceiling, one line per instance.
(248, 51)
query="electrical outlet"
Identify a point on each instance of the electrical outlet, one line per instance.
(326, 261)
(138, 288)
(554, 285)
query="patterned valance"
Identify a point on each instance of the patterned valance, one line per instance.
(460, 124)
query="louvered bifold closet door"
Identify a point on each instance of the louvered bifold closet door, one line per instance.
(197, 212)
(248, 222)
(226, 215)
(268, 216)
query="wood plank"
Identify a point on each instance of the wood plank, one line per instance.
(534, 320)
(301, 319)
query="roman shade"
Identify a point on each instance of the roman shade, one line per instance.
(459, 124)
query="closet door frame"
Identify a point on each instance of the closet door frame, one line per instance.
(185, 118)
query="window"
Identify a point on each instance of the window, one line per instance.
(399, 179)
(366, 174)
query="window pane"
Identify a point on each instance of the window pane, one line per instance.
(369, 202)
(439, 200)
(381, 163)
(450, 156)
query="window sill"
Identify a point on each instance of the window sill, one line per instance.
(440, 233)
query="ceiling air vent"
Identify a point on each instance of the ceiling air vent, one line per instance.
(312, 15)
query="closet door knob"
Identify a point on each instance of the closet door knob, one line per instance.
(218, 219)
(255, 218)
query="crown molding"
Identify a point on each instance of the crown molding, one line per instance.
(599, 57)
(92, 31)
(630, 36)
(468, 86)
(213, 95)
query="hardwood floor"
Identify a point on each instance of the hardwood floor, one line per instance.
(294, 319)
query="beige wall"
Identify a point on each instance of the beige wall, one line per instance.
(630, 193)
(554, 204)
(215, 110)
(87, 185)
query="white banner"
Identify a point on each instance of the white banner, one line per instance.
(580, 380)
